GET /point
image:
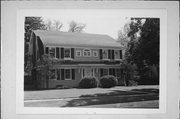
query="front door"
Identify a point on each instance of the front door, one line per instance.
(88, 72)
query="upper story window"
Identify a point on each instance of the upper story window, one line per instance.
(52, 51)
(87, 52)
(67, 53)
(116, 54)
(78, 53)
(95, 54)
(105, 54)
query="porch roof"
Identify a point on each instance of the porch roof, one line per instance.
(88, 66)
(57, 38)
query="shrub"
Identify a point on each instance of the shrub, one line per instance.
(88, 82)
(108, 81)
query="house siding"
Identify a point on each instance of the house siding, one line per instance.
(53, 83)
(37, 46)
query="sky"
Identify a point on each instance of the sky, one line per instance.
(102, 21)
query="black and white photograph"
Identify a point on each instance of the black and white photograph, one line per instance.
(91, 59)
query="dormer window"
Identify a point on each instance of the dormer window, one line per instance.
(87, 52)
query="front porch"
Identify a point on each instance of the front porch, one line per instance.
(70, 75)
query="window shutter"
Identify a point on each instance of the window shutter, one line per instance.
(120, 54)
(101, 72)
(73, 74)
(109, 54)
(112, 54)
(114, 72)
(72, 53)
(58, 74)
(57, 52)
(100, 53)
(62, 53)
(62, 74)
(110, 71)
(47, 50)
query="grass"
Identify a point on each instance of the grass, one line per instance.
(89, 97)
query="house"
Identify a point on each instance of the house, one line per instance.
(79, 54)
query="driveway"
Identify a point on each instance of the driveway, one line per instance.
(93, 97)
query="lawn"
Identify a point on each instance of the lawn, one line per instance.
(96, 96)
(74, 92)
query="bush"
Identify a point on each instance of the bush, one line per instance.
(88, 82)
(108, 81)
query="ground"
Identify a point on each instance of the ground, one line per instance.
(116, 97)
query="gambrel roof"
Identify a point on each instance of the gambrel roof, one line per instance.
(58, 38)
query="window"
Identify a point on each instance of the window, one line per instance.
(78, 53)
(116, 53)
(67, 53)
(105, 54)
(87, 53)
(52, 74)
(95, 53)
(52, 51)
(67, 74)
(105, 72)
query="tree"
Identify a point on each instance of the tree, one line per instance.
(57, 25)
(44, 65)
(34, 23)
(31, 23)
(76, 27)
(123, 39)
(143, 47)
(53, 25)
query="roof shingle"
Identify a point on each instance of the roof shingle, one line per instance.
(57, 38)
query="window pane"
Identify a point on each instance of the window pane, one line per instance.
(67, 73)
(95, 54)
(105, 54)
(78, 53)
(116, 53)
(52, 52)
(105, 71)
(87, 52)
(67, 53)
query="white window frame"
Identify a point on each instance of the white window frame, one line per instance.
(49, 51)
(69, 53)
(96, 53)
(78, 51)
(115, 55)
(86, 52)
(65, 74)
(103, 54)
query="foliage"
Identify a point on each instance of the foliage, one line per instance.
(31, 23)
(88, 82)
(54, 25)
(144, 43)
(34, 23)
(108, 81)
(76, 27)
(44, 65)
(143, 48)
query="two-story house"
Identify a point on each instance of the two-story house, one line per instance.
(80, 54)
